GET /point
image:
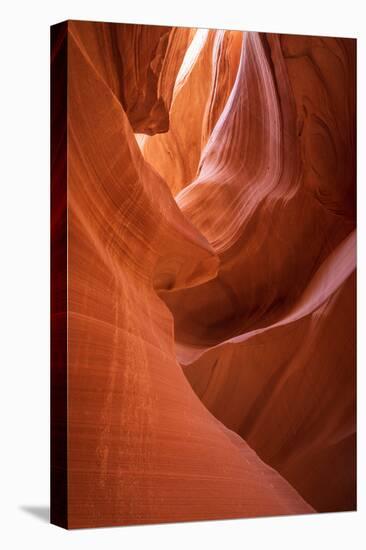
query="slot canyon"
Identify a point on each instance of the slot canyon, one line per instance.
(210, 214)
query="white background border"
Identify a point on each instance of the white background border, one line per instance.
(24, 219)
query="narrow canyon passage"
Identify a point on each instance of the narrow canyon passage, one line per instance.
(211, 264)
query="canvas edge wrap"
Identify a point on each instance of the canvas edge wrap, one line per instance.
(59, 475)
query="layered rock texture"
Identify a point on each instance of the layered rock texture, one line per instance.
(210, 259)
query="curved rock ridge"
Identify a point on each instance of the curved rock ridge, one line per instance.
(328, 279)
(175, 155)
(211, 274)
(290, 379)
(246, 149)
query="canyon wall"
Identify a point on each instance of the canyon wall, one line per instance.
(211, 274)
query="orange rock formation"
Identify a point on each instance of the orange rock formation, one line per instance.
(211, 275)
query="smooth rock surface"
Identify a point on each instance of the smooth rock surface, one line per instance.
(211, 274)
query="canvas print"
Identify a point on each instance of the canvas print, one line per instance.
(203, 256)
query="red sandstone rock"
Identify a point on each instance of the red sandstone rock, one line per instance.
(198, 102)
(238, 399)
(143, 81)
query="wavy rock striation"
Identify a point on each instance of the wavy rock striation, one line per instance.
(211, 274)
